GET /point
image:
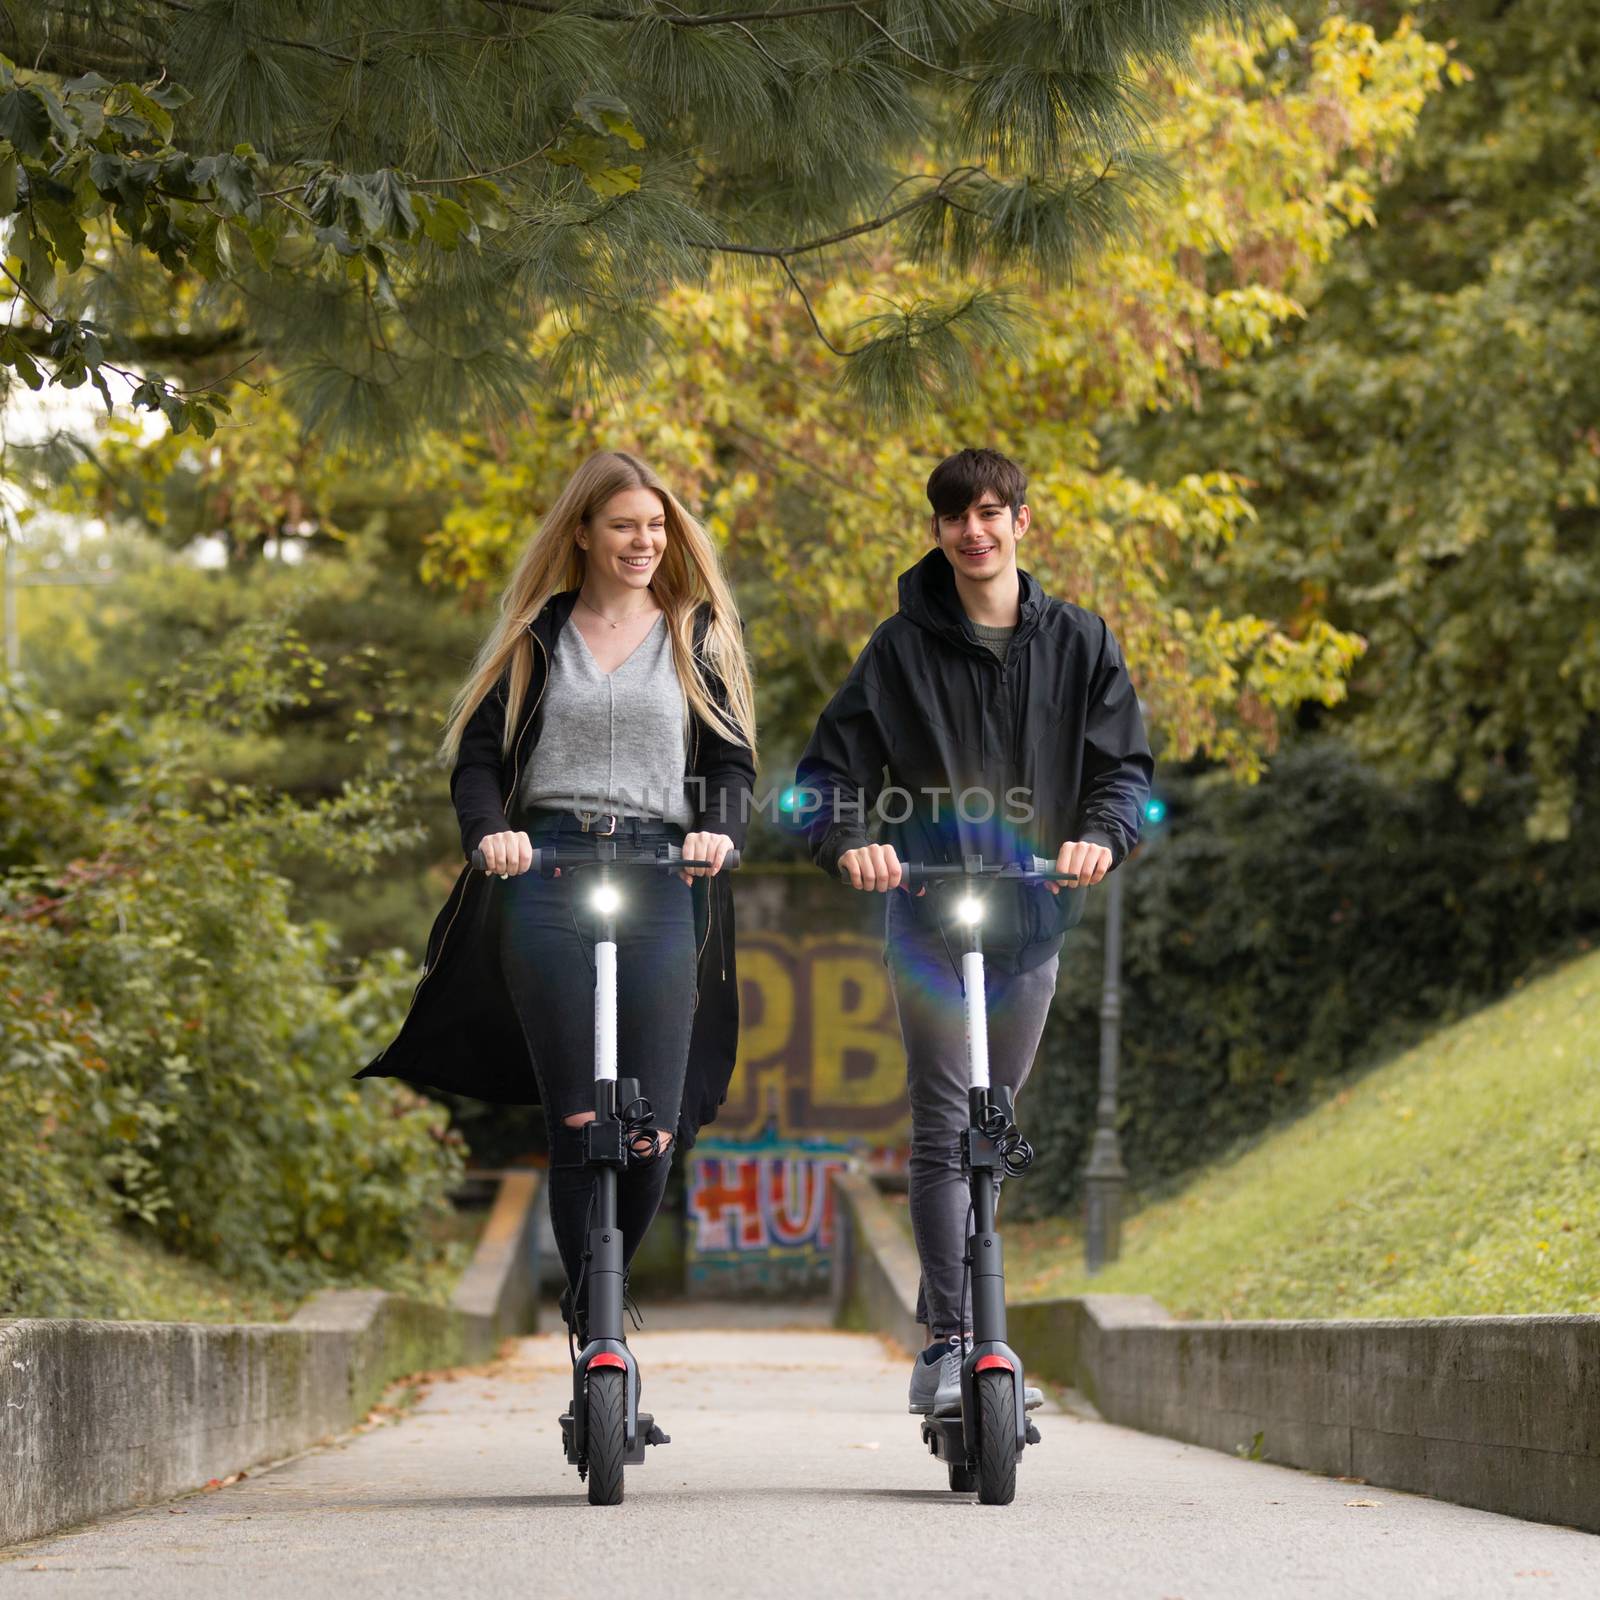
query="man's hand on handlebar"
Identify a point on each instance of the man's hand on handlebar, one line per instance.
(711, 847)
(507, 855)
(1088, 863)
(873, 866)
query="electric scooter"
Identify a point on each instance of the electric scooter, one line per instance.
(604, 1430)
(981, 1446)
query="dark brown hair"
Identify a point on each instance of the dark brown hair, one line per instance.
(960, 479)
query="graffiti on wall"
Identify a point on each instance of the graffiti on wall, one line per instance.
(820, 1081)
(819, 1043)
(761, 1214)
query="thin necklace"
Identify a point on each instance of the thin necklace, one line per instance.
(642, 611)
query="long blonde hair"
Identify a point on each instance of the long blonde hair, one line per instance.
(690, 572)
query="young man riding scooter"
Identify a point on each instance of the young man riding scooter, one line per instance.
(984, 718)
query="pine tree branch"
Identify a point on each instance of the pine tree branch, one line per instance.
(939, 193)
(702, 20)
(287, 44)
(805, 300)
(766, 54)
(165, 346)
(906, 50)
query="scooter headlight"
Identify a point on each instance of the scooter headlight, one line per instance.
(970, 909)
(606, 899)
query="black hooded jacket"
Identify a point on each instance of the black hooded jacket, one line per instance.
(931, 731)
(461, 1033)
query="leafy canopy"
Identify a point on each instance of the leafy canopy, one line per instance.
(383, 196)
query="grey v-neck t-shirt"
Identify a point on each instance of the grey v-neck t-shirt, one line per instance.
(612, 741)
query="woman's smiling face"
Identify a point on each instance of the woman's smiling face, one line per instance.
(625, 538)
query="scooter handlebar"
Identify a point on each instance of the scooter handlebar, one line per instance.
(668, 859)
(1037, 869)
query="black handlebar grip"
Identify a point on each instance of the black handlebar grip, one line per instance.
(909, 872)
(478, 864)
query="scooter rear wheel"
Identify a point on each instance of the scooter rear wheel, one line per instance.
(963, 1479)
(604, 1432)
(997, 1438)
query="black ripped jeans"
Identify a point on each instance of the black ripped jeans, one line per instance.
(547, 940)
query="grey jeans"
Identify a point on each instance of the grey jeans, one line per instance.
(928, 998)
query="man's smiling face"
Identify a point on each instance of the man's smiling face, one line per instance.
(981, 542)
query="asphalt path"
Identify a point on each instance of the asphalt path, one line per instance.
(793, 1470)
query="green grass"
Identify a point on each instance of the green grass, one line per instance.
(1461, 1177)
(153, 1284)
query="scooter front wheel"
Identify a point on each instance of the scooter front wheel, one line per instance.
(605, 1432)
(997, 1438)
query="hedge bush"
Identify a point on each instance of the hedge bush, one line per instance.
(177, 1049)
(1279, 936)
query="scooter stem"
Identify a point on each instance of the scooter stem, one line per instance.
(605, 1244)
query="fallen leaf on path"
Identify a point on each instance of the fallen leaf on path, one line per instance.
(176, 1511)
(1361, 1502)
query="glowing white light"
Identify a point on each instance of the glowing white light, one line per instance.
(970, 910)
(606, 898)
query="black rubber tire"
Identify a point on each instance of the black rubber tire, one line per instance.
(997, 1438)
(963, 1479)
(607, 1423)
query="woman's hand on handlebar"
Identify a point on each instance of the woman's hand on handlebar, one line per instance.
(1088, 863)
(710, 847)
(507, 855)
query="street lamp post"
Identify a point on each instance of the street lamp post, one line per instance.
(1107, 1178)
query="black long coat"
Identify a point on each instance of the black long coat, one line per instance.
(461, 1033)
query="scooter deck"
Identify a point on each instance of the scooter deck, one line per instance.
(945, 1438)
(648, 1434)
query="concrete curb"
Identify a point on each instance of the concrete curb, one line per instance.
(1501, 1413)
(100, 1416)
(875, 1271)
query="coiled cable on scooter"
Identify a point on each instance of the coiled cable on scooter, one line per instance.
(641, 1138)
(1016, 1154)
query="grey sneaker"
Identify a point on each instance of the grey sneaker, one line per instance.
(936, 1385)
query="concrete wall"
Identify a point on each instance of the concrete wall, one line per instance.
(1502, 1413)
(875, 1268)
(98, 1416)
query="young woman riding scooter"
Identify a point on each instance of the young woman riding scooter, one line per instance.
(610, 702)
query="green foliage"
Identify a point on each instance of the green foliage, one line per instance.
(379, 658)
(382, 196)
(1457, 1180)
(177, 1048)
(1422, 452)
(50, 1218)
(1279, 937)
(1277, 137)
